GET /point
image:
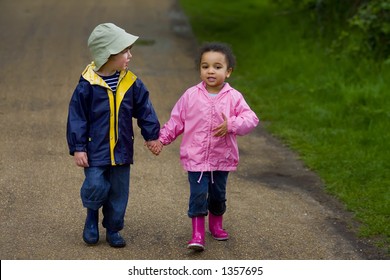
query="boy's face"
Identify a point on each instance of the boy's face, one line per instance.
(214, 70)
(121, 60)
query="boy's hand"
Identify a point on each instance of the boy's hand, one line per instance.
(81, 159)
(222, 129)
(155, 146)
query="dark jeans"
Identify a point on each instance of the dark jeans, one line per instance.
(207, 193)
(107, 186)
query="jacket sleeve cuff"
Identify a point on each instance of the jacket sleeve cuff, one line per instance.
(80, 148)
(230, 126)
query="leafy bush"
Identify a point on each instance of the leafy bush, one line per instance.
(371, 24)
(355, 27)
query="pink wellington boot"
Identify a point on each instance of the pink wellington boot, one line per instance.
(198, 232)
(215, 226)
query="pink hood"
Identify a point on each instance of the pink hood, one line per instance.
(195, 115)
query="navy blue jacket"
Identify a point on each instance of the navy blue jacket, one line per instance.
(100, 122)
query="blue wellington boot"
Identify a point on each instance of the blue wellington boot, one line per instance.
(91, 229)
(115, 239)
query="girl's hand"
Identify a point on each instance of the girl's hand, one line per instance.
(222, 129)
(81, 159)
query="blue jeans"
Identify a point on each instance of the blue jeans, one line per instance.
(107, 187)
(207, 193)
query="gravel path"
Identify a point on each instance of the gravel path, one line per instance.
(276, 207)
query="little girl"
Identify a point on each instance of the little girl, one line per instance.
(210, 115)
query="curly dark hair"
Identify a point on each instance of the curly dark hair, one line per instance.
(218, 47)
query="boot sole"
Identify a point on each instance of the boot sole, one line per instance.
(219, 238)
(90, 242)
(196, 247)
(116, 245)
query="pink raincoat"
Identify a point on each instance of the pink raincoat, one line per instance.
(195, 115)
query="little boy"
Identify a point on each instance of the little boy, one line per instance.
(100, 131)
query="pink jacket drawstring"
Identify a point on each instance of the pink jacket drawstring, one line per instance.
(201, 175)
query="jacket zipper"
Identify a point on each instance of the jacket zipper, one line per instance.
(115, 126)
(210, 134)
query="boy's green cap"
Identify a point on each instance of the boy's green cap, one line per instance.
(108, 39)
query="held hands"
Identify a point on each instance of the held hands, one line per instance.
(222, 129)
(81, 158)
(155, 146)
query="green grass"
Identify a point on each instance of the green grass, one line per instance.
(334, 111)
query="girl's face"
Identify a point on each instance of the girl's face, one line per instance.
(214, 70)
(121, 60)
